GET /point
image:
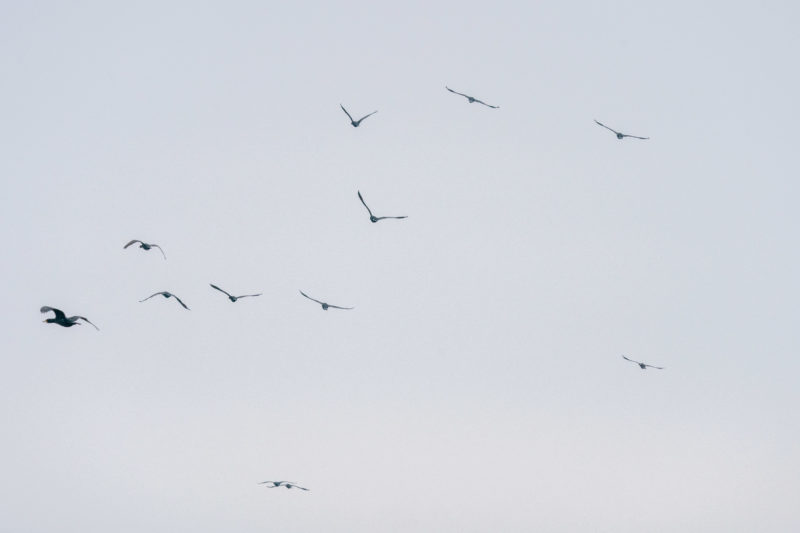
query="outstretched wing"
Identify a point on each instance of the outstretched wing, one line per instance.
(487, 105)
(75, 318)
(298, 487)
(159, 249)
(346, 113)
(59, 313)
(606, 127)
(631, 360)
(365, 116)
(455, 92)
(181, 302)
(337, 307)
(156, 294)
(248, 295)
(381, 218)
(635, 136)
(365, 204)
(132, 242)
(220, 290)
(656, 367)
(312, 299)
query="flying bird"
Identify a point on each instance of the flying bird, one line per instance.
(324, 305)
(166, 294)
(643, 366)
(62, 320)
(145, 246)
(471, 99)
(372, 217)
(287, 484)
(355, 123)
(618, 134)
(233, 298)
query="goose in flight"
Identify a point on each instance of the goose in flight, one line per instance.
(373, 218)
(62, 320)
(620, 135)
(145, 246)
(643, 366)
(233, 298)
(324, 305)
(471, 99)
(166, 294)
(355, 123)
(287, 484)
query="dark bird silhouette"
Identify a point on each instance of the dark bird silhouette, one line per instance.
(643, 366)
(287, 484)
(620, 135)
(166, 294)
(62, 320)
(355, 123)
(471, 99)
(233, 298)
(324, 305)
(145, 246)
(372, 217)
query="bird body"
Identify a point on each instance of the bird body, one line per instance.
(471, 99)
(355, 123)
(325, 305)
(166, 294)
(145, 246)
(230, 296)
(643, 366)
(62, 320)
(373, 218)
(618, 134)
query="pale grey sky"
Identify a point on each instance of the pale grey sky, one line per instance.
(478, 385)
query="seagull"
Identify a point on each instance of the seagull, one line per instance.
(166, 294)
(643, 366)
(324, 305)
(372, 217)
(470, 99)
(233, 298)
(287, 484)
(145, 246)
(355, 123)
(620, 135)
(62, 320)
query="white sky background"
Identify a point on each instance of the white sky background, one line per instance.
(478, 384)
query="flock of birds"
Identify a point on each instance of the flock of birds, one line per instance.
(61, 319)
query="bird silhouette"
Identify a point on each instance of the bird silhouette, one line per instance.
(620, 135)
(145, 246)
(166, 294)
(643, 366)
(472, 99)
(324, 305)
(287, 484)
(62, 320)
(355, 123)
(231, 297)
(372, 217)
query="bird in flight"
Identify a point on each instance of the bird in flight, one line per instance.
(355, 123)
(373, 218)
(324, 305)
(233, 298)
(145, 246)
(620, 135)
(471, 99)
(166, 294)
(62, 320)
(643, 366)
(287, 484)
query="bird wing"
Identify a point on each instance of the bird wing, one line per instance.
(247, 295)
(631, 360)
(606, 127)
(132, 242)
(160, 250)
(337, 307)
(365, 116)
(346, 113)
(365, 204)
(487, 105)
(299, 487)
(381, 218)
(635, 136)
(59, 313)
(156, 294)
(220, 290)
(455, 92)
(75, 319)
(656, 367)
(181, 302)
(310, 298)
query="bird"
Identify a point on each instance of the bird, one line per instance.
(287, 484)
(324, 305)
(620, 135)
(145, 246)
(62, 320)
(233, 298)
(166, 294)
(471, 99)
(372, 217)
(355, 123)
(643, 366)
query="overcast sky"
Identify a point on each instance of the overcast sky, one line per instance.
(478, 384)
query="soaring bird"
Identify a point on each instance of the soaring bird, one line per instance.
(145, 246)
(324, 305)
(372, 217)
(166, 294)
(355, 123)
(620, 135)
(287, 484)
(643, 366)
(62, 320)
(470, 99)
(233, 298)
